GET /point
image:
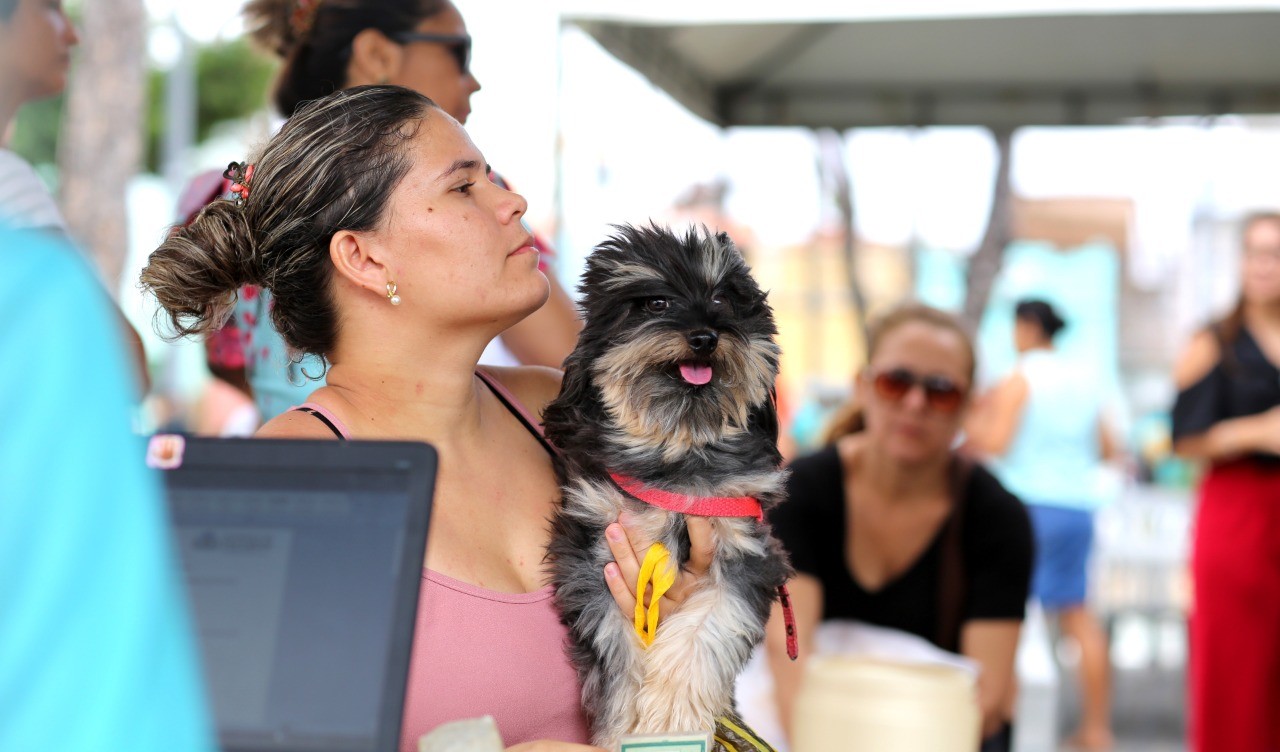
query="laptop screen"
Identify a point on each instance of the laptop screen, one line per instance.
(296, 574)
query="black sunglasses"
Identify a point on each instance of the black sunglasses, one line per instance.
(458, 44)
(941, 394)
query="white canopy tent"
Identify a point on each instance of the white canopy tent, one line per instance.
(998, 63)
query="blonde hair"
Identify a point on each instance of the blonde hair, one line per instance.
(848, 418)
(334, 166)
(1227, 330)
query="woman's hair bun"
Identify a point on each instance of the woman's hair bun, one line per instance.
(196, 272)
(273, 24)
(1041, 313)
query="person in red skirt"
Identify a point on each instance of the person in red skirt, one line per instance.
(1228, 414)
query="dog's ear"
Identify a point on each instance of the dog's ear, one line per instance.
(724, 240)
(764, 417)
(562, 416)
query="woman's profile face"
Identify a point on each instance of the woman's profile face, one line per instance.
(453, 241)
(916, 426)
(435, 68)
(35, 49)
(1260, 270)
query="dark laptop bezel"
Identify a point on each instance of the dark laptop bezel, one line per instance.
(418, 459)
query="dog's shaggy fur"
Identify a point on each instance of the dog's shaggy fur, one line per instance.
(656, 305)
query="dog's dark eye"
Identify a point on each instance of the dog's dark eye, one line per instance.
(721, 304)
(657, 305)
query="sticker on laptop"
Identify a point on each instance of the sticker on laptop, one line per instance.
(165, 450)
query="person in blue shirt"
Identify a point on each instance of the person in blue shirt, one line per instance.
(1043, 427)
(96, 651)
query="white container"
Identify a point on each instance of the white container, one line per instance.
(871, 705)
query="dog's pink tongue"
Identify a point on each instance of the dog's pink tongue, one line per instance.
(695, 374)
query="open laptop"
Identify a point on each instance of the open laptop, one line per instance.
(302, 561)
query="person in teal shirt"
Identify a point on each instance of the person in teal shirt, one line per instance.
(1044, 431)
(96, 650)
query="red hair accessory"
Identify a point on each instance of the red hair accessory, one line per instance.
(239, 175)
(304, 14)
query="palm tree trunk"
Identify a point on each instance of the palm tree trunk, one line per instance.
(102, 130)
(837, 181)
(985, 264)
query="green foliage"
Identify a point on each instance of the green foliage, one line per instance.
(234, 79)
(35, 134)
(232, 82)
(154, 121)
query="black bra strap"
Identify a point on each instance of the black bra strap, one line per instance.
(518, 413)
(323, 420)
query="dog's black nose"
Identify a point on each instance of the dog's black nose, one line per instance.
(703, 342)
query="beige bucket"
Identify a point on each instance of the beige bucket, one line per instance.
(868, 705)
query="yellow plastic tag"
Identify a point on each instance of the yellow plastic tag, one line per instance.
(655, 571)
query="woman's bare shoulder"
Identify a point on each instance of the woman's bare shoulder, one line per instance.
(294, 424)
(1012, 388)
(1199, 357)
(534, 386)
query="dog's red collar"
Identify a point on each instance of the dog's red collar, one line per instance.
(702, 506)
(712, 506)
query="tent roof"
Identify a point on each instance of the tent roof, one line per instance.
(999, 63)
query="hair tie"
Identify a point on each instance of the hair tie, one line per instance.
(239, 174)
(304, 14)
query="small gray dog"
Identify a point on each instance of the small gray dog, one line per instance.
(667, 409)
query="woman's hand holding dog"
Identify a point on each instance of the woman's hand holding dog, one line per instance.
(624, 572)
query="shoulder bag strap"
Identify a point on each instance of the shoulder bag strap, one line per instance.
(951, 576)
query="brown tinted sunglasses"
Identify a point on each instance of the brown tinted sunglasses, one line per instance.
(458, 44)
(941, 394)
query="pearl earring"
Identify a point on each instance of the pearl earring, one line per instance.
(391, 293)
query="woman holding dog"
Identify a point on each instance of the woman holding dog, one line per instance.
(372, 219)
(878, 521)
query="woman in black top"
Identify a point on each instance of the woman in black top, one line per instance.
(1228, 414)
(889, 526)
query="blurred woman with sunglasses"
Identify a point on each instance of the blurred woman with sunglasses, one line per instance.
(888, 525)
(1043, 427)
(327, 45)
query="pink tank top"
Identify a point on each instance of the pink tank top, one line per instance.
(479, 652)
